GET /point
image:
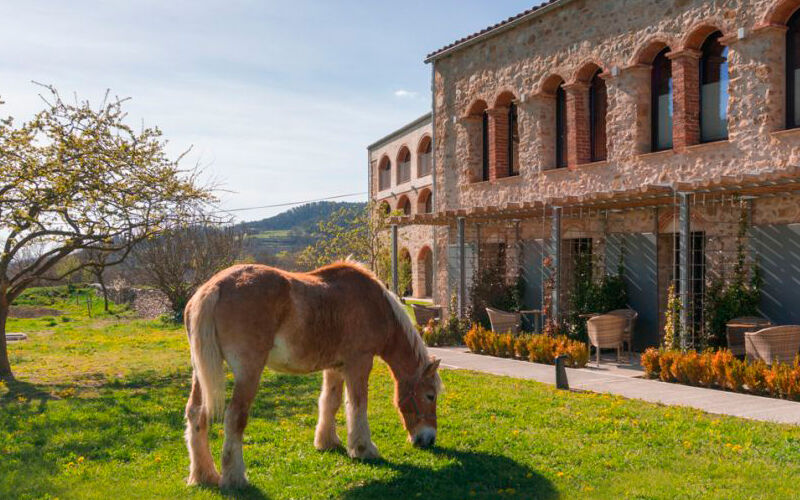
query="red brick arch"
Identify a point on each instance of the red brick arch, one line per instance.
(423, 201)
(477, 108)
(650, 49)
(549, 84)
(504, 98)
(780, 12)
(404, 205)
(696, 36)
(403, 164)
(586, 72)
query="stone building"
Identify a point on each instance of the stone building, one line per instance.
(640, 132)
(401, 181)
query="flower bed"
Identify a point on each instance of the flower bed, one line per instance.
(535, 348)
(721, 369)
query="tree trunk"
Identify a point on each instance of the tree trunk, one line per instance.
(104, 289)
(5, 365)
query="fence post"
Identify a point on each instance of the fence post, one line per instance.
(462, 269)
(685, 262)
(555, 250)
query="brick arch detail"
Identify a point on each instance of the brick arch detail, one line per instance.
(780, 12)
(550, 83)
(586, 71)
(697, 35)
(648, 50)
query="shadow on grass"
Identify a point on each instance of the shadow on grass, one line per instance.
(474, 474)
(123, 422)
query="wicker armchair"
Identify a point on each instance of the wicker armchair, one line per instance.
(606, 331)
(773, 344)
(627, 335)
(424, 314)
(737, 327)
(504, 322)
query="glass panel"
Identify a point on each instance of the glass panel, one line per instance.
(714, 90)
(561, 128)
(793, 72)
(598, 98)
(662, 102)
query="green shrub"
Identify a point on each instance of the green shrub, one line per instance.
(448, 333)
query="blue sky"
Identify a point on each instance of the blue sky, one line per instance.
(278, 99)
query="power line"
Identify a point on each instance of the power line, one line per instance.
(290, 203)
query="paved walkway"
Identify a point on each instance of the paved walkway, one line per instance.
(624, 381)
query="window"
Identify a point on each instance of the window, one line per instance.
(714, 90)
(385, 174)
(485, 146)
(404, 166)
(793, 72)
(661, 104)
(513, 140)
(425, 165)
(561, 127)
(598, 108)
(404, 206)
(425, 203)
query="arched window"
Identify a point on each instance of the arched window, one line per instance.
(661, 105)
(404, 205)
(714, 90)
(424, 157)
(561, 127)
(385, 208)
(793, 72)
(425, 202)
(404, 166)
(598, 108)
(513, 140)
(384, 174)
(485, 146)
(425, 270)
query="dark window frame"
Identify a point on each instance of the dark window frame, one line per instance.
(593, 118)
(702, 76)
(513, 137)
(485, 146)
(792, 62)
(561, 127)
(654, 115)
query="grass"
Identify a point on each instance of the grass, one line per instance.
(97, 413)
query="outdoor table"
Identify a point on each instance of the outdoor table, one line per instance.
(537, 317)
(737, 327)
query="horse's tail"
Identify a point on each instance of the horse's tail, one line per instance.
(206, 353)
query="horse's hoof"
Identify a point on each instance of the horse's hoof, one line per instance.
(233, 483)
(364, 452)
(200, 478)
(328, 444)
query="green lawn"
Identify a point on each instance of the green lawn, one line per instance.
(97, 413)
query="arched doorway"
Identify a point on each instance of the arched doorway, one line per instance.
(425, 273)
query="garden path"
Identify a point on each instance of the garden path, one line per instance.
(625, 381)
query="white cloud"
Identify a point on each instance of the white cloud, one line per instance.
(405, 94)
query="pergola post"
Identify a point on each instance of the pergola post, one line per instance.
(555, 252)
(462, 269)
(684, 264)
(395, 278)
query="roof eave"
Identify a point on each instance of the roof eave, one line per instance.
(493, 32)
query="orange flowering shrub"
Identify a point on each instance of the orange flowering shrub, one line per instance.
(723, 370)
(536, 348)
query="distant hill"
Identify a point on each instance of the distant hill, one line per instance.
(303, 217)
(290, 231)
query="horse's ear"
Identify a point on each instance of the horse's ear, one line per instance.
(432, 367)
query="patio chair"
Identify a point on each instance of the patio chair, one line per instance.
(606, 331)
(504, 322)
(737, 327)
(424, 314)
(627, 336)
(773, 344)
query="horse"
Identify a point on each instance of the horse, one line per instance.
(334, 319)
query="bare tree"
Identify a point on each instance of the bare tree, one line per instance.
(77, 178)
(177, 262)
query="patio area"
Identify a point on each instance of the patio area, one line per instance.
(625, 379)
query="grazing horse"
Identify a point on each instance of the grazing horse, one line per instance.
(335, 319)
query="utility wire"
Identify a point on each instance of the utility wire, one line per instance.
(290, 203)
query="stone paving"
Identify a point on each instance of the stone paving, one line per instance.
(625, 380)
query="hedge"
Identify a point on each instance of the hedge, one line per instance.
(721, 369)
(535, 348)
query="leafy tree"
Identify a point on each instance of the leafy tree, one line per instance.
(77, 177)
(345, 234)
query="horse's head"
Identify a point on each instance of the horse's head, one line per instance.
(416, 400)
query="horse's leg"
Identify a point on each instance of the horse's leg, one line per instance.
(201, 468)
(244, 390)
(330, 400)
(359, 442)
